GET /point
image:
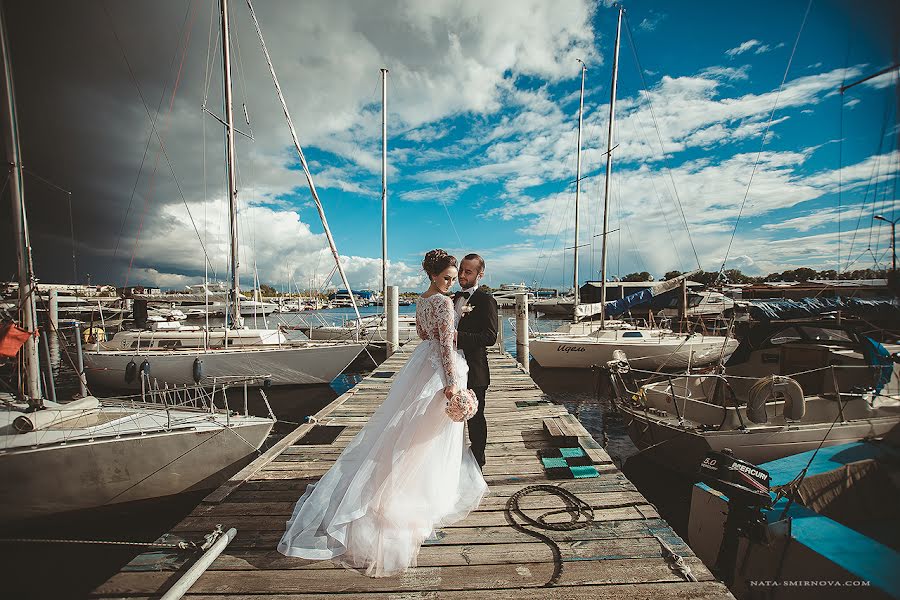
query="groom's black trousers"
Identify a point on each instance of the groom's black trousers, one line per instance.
(478, 427)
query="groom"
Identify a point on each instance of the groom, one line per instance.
(476, 331)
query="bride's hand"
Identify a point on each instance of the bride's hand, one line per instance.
(449, 391)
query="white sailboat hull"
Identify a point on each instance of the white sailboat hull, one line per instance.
(757, 444)
(669, 352)
(58, 478)
(281, 366)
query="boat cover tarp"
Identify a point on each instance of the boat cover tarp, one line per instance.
(805, 308)
(618, 307)
(614, 307)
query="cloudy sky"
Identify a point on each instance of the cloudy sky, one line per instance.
(483, 107)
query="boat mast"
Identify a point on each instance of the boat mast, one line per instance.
(578, 192)
(384, 282)
(27, 287)
(236, 321)
(609, 141)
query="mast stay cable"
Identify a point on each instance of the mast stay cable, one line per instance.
(764, 137)
(154, 129)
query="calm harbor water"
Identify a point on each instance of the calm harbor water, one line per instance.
(80, 568)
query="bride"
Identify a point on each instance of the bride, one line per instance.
(408, 471)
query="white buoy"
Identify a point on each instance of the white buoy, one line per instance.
(522, 330)
(391, 307)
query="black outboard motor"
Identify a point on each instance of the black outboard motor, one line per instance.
(747, 488)
(140, 314)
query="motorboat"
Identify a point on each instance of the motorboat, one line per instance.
(822, 522)
(787, 388)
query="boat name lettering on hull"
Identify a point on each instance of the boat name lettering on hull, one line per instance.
(564, 348)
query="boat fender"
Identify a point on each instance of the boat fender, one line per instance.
(130, 371)
(769, 388)
(198, 370)
(145, 369)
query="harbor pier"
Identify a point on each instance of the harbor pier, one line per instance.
(604, 540)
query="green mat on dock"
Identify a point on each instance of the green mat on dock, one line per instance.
(567, 463)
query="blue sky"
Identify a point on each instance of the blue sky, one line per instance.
(483, 102)
(481, 181)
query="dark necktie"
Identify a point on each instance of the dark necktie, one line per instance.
(458, 295)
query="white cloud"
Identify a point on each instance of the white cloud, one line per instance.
(743, 47)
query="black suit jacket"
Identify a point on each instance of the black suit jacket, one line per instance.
(477, 330)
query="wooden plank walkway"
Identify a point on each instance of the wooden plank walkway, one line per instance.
(618, 556)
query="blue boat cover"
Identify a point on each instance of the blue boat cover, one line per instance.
(765, 310)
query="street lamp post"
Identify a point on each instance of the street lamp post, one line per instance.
(893, 239)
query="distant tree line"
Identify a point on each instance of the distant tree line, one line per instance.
(735, 275)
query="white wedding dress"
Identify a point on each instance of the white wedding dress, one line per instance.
(406, 473)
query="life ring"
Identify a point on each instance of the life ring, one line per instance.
(93, 335)
(769, 388)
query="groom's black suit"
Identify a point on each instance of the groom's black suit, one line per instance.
(477, 330)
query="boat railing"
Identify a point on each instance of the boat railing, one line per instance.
(205, 399)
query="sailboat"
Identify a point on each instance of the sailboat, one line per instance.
(587, 345)
(62, 457)
(189, 355)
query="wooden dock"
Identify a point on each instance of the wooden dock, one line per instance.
(621, 554)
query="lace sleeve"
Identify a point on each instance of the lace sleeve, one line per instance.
(445, 326)
(420, 329)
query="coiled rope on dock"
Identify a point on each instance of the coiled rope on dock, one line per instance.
(581, 517)
(574, 506)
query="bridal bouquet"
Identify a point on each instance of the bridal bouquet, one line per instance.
(462, 406)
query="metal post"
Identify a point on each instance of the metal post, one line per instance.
(893, 246)
(578, 193)
(391, 305)
(384, 254)
(79, 362)
(53, 308)
(237, 321)
(20, 222)
(522, 330)
(181, 587)
(609, 149)
(48, 368)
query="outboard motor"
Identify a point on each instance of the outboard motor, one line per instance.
(140, 314)
(747, 489)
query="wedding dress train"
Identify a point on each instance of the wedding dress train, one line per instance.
(406, 473)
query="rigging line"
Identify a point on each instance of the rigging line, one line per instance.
(210, 56)
(237, 45)
(555, 241)
(662, 210)
(873, 177)
(148, 198)
(547, 228)
(764, 136)
(152, 123)
(162, 97)
(71, 218)
(662, 147)
(841, 162)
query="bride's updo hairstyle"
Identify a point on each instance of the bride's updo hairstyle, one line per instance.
(436, 261)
